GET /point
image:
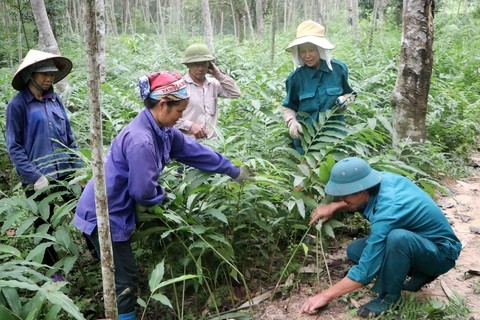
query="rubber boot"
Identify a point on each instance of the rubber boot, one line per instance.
(128, 316)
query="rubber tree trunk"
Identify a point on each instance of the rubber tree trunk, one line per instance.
(93, 19)
(410, 95)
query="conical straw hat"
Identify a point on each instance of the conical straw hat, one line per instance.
(63, 64)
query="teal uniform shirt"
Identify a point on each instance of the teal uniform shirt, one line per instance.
(400, 204)
(313, 91)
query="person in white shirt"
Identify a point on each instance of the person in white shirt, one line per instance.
(201, 116)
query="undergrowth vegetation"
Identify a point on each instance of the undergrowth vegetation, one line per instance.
(214, 243)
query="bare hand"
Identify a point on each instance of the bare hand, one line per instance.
(321, 213)
(314, 303)
(197, 131)
(212, 68)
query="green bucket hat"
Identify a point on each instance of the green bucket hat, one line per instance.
(197, 53)
(351, 175)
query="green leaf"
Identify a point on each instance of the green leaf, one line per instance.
(37, 254)
(10, 250)
(162, 299)
(6, 314)
(324, 173)
(156, 276)
(60, 299)
(175, 280)
(141, 302)
(19, 284)
(10, 294)
(216, 213)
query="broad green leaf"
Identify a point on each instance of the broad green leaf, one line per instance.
(19, 284)
(156, 276)
(6, 314)
(10, 250)
(60, 299)
(162, 299)
(141, 302)
(10, 294)
(175, 280)
(217, 214)
(37, 254)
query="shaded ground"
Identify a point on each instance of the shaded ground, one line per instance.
(462, 210)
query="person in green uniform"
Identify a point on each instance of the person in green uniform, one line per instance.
(410, 241)
(316, 83)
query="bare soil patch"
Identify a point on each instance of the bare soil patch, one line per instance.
(462, 209)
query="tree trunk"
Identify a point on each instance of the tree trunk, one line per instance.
(100, 21)
(259, 18)
(161, 22)
(249, 20)
(207, 25)
(46, 39)
(93, 20)
(410, 96)
(273, 31)
(355, 19)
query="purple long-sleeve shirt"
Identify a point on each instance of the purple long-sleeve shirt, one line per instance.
(133, 165)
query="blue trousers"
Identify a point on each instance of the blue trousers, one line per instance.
(125, 274)
(406, 253)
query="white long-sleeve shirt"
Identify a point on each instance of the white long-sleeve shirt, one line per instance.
(202, 108)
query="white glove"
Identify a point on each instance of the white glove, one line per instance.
(244, 175)
(294, 127)
(41, 183)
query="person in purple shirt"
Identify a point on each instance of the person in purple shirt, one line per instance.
(136, 159)
(39, 134)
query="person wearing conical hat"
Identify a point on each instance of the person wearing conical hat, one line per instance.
(38, 130)
(409, 245)
(201, 116)
(316, 83)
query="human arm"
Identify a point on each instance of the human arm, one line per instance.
(15, 127)
(342, 287)
(229, 88)
(192, 153)
(294, 127)
(325, 212)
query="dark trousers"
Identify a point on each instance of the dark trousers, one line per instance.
(126, 276)
(406, 253)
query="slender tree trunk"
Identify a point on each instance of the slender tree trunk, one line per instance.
(46, 39)
(410, 96)
(161, 22)
(249, 20)
(355, 19)
(273, 31)
(100, 21)
(234, 16)
(259, 18)
(207, 25)
(93, 20)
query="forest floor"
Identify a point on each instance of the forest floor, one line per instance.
(462, 208)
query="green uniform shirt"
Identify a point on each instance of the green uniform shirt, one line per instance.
(313, 91)
(400, 204)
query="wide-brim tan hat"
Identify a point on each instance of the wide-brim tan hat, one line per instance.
(63, 64)
(311, 32)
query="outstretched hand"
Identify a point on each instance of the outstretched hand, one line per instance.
(244, 175)
(313, 304)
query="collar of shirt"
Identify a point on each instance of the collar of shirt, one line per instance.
(188, 79)
(313, 73)
(29, 97)
(161, 132)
